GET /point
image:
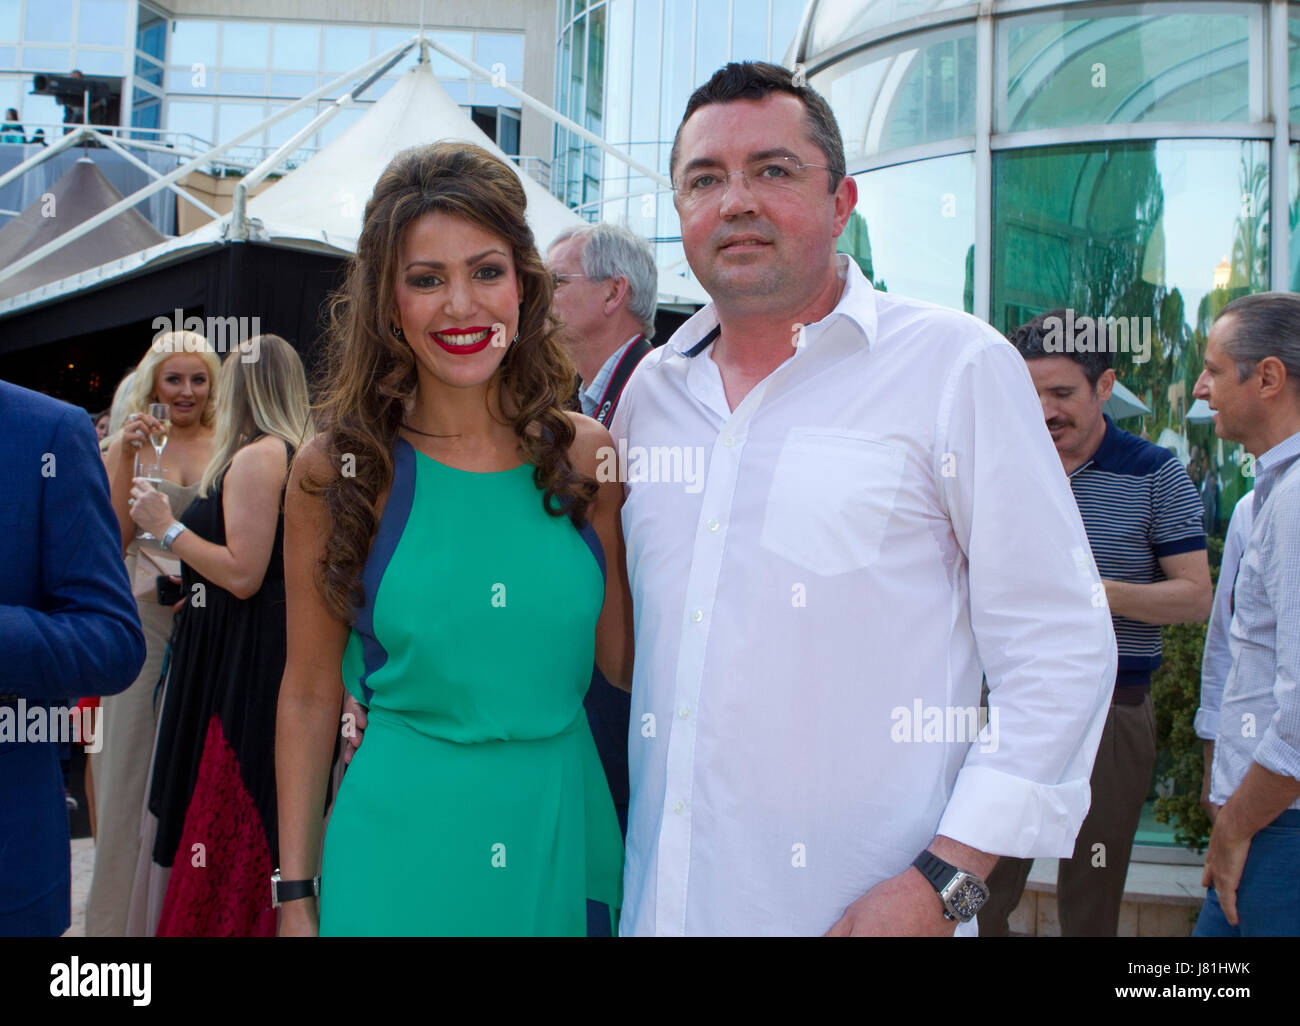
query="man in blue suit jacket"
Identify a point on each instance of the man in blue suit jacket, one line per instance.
(68, 628)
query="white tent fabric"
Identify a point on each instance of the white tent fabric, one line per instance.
(329, 192)
(1123, 403)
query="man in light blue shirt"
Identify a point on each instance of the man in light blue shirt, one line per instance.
(1252, 379)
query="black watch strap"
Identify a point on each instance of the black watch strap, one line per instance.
(292, 890)
(934, 869)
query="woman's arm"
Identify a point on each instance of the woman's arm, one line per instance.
(119, 463)
(614, 635)
(250, 503)
(310, 692)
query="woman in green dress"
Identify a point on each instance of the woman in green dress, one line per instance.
(452, 561)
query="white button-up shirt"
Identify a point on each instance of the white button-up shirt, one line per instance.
(820, 578)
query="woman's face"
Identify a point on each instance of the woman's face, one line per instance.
(457, 296)
(101, 426)
(182, 383)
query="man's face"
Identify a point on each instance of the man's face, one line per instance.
(1071, 406)
(1218, 386)
(578, 300)
(767, 248)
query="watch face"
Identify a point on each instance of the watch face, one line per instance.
(967, 897)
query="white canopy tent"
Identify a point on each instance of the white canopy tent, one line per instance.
(318, 207)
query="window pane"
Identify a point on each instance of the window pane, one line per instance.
(1165, 232)
(346, 47)
(461, 43)
(281, 130)
(9, 23)
(36, 58)
(48, 21)
(913, 230)
(234, 118)
(194, 118)
(493, 47)
(748, 30)
(245, 45)
(386, 39)
(296, 86)
(710, 32)
(1056, 70)
(193, 42)
(786, 15)
(148, 71)
(242, 83)
(1293, 52)
(102, 21)
(295, 48)
(8, 57)
(833, 23)
(889, 97)
(677, 65)
(151, 34)
(101, 62)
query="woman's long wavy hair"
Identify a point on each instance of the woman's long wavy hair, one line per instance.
(369, 374)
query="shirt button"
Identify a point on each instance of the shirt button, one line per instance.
(678, 806)
(684, 713)
(728, 441)
(712, 525)
(697, 616)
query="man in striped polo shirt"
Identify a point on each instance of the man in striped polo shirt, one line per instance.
(1145, 524)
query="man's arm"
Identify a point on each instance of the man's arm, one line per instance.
(85, 637)
(1043, 632)
(1184, 597)
(1272, 784)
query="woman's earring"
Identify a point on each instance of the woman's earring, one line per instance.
(397, 332)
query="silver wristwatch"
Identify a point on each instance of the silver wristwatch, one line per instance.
(961, 893)
(171, 534)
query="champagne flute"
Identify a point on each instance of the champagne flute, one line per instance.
(151, 471)
(162, 413)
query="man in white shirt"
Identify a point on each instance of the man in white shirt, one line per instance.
(841, 512)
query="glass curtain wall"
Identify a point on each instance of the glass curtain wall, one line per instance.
(1117, 160)
(625, 69)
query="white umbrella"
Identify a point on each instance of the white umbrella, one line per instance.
(1200, 413)
(1123, 403)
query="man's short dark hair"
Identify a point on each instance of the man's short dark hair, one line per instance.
(1031, 337)
(1264, 324)
(756, 80)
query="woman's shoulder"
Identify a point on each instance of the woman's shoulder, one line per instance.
(591, 440)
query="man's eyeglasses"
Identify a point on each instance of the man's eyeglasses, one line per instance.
(769, 175)
(560, 279)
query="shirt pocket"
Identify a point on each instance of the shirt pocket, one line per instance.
(832, 496)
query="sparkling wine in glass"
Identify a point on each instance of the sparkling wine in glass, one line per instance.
(151, 471)
(162, 413)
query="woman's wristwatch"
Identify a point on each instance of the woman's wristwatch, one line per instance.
(171, 534)
(292, 890)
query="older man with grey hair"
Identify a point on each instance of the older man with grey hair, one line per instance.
(605, 293)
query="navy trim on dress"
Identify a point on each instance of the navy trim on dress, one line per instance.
(397, 511)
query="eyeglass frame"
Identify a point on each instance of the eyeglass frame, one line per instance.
(799, 165)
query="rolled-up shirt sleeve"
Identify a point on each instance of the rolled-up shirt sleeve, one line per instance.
(1038, 612)
(1279, 746)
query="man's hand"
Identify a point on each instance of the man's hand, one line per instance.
(1224, 862)
(354, 725)
(902, 906)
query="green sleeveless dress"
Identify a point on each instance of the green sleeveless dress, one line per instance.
(476, 804)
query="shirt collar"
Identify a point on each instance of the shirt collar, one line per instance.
(1270, 466)
(1102, 457)
(857, 304)
(594, 390)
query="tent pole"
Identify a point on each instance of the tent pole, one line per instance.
(66, 143)
(154, 172)
(553, 114)
(104, 216)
